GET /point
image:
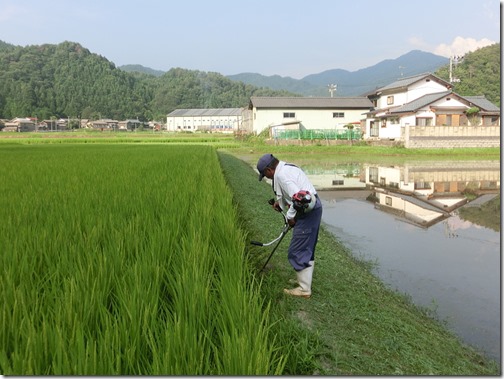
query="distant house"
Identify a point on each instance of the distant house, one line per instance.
(327, 113)
(105, 124)
(224, 120)
(424, 100)
(129, 125)
(19, 125)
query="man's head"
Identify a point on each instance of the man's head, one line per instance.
(266, 166)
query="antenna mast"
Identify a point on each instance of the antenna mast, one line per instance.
(454, 59)
(332, 88)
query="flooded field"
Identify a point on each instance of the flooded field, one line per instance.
(406, 220)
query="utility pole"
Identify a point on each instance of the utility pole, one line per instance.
(332, 88)
(454, 59)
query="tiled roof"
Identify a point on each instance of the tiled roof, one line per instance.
(420, 102)
(406, 82)
(311, 102)
(413, 106)
(482, 103)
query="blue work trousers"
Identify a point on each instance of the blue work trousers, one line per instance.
(304, 238)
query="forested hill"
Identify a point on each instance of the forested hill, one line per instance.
(479, 73)
(67, 80)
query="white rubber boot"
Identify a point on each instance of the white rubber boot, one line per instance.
(304, 278)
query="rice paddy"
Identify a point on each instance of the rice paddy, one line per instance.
(125, 260)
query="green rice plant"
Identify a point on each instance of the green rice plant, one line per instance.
(125, 260)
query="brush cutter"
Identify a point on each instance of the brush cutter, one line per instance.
(279, 239)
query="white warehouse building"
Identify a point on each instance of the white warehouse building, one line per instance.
(224, 120)
(328, 113)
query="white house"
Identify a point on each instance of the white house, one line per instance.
(424, 100)
(225, 120)
(326, 113)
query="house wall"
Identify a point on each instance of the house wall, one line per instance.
(309, 118)
(422, 88)
(414, 91)
(193, 123)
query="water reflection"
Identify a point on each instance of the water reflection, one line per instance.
(423, 193)
(406, 218)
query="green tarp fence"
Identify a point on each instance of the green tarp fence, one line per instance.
(318, 134)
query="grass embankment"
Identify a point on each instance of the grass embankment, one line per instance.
(352, 324)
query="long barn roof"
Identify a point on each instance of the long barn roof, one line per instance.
(310, 102)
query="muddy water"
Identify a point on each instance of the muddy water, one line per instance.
(447, 265)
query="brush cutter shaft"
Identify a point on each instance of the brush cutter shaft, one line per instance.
(284, 231)
(280, 238)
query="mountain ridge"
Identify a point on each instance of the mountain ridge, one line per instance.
(350, 83)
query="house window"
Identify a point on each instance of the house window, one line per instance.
(338, 114)
(490, 120)
(373, 174)
(388, 201)
(289, 115)
(448, 120)
(390, 100)
(373, 129)
(423, 121)
(337, 182)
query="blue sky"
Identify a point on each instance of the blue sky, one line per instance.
(271, 37)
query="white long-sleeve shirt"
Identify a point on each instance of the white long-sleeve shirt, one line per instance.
(287, 181)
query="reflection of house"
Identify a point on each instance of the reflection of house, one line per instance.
(425, 101)
(300, 113)
(223, 120)
(436, 179)
(341, 177)
(410, 208)
(424, 193)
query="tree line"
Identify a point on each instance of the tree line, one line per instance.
(67, 80)
(479, 73)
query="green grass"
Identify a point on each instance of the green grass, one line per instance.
(108, 137)
(352, 324)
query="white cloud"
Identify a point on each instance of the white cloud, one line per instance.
(461, 46)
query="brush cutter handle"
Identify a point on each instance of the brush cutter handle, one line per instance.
(256, 243)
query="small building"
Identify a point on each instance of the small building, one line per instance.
(222, 120)
(129, 125)
(304, 113)
(105, 124)
(19, 125)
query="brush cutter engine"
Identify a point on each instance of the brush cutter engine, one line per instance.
(303, 201)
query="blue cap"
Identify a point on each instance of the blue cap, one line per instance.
(264, 162)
